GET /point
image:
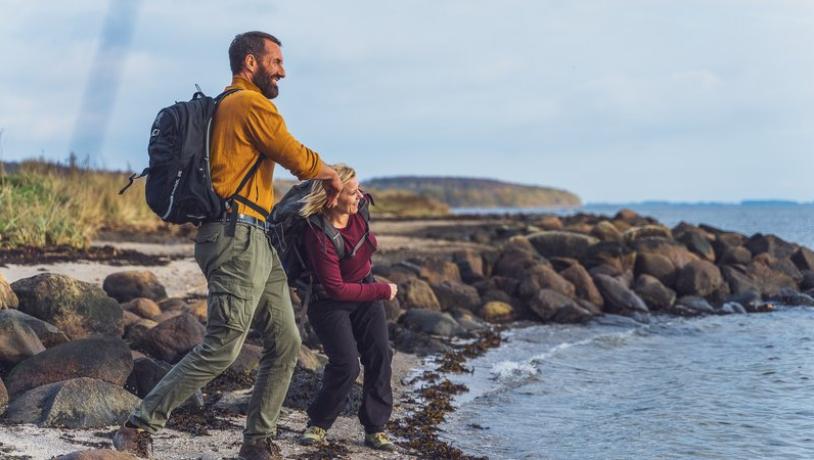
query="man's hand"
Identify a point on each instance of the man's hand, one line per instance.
(394, 289)
(334, 187)
(333, 184)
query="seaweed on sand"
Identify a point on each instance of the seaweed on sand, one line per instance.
(419, 430)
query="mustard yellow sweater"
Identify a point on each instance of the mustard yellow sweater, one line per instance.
(247, 125)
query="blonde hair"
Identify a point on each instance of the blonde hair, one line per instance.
(315, 201)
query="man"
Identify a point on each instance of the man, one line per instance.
(244, 275)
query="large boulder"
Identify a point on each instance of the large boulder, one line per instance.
(143, 307)
(699, 278)
(803, 258)
(129, 285)
(646, 231)
(618, 298)
(543, 277)
(739, 280)
(135, 331)
(172, 304)
(76, 403)
(727, 240)
(97, 454)
(698, 245)
(549, 223)
(146, 374)
(658, 266)
(8, 299)
(768, 281)
(561, 244)
(609, 253)
(496, 311)
(793, 298)
(436, 271)
(808, 280)
(584, 286)
(692, 306)
(102, 358)
(48, 334)
(735, 255)
(550, 305)
(515, 259)
(787, 267)
(408, 341)
(452, 294)
(416, 293)
(470, 265)
(678, 255)
(467, 320)
(606, 231)
(17, 340)
(627, 215)
(682, 228)
(173, 338)
(77, 308)
(503, 284)
(770, 244)
(656, 295)
(431, 322)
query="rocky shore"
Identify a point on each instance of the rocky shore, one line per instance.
(81, 342)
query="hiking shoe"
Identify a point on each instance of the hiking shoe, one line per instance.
(261, 449)
(379, 441)
(133, 440)
(313, 435)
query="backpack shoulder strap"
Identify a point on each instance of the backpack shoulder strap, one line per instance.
(252, 171)
(237, 197)
(321, 222)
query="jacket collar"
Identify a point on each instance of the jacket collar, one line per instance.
(241, 83)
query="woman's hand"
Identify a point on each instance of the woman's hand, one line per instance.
(394, 289)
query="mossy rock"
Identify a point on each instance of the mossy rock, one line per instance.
(77, 308)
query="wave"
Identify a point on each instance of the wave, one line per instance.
(513, 370)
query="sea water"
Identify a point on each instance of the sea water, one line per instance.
(718, 387)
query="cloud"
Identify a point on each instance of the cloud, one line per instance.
(572, 94)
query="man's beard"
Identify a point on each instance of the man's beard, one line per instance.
(263, 80)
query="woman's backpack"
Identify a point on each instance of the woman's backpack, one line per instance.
(287, 228)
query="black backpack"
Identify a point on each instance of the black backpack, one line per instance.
(286, 230)
(179, 182)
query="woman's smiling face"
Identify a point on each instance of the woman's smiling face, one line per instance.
(348, 202)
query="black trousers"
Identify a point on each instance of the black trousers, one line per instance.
(349, 331)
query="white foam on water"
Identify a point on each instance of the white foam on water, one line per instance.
(512, 370)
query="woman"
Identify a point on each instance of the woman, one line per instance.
(346, 314)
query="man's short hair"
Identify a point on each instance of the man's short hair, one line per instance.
(248, 43)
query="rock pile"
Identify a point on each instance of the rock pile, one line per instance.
(75, 355)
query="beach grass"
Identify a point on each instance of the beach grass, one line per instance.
(45, 204)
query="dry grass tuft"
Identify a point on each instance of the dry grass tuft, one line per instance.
(46, 204)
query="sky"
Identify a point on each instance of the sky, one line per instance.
(617, 101)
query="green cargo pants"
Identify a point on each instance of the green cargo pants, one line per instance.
(245, 279)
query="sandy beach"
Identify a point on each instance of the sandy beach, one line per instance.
(182, 278)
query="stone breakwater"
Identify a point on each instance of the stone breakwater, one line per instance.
(77, 355)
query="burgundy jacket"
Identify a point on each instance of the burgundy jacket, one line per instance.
(342, 279)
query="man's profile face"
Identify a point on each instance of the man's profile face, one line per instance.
(269, 70)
